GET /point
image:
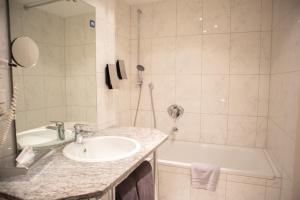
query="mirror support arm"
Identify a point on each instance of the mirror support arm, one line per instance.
(7, 62)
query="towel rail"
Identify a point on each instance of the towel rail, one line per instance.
(154, 165)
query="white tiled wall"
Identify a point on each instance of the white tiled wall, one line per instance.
(213, 58)
(112, 43)
(80, 60)
(123, 53)
(105, 54)
(284, 101)
(175, 184)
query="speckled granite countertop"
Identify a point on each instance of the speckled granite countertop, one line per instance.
(57, 177)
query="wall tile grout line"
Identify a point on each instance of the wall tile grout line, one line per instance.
(201, 87)
(229, 72)
(259, 69)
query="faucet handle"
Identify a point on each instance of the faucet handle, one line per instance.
(78, 133)
(79, 130)
(58, 123)
(78, 127)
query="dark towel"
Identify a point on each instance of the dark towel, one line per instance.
(127, 190)
(111, 77)
(121, 70)
(144, 181)
(107, 78)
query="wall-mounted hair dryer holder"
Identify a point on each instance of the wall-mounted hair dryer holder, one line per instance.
(7, 112)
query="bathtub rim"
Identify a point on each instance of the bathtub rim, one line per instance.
(223, 170)
(229, 171)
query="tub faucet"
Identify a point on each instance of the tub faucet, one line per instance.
(60, 127)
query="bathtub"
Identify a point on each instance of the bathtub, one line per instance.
(246, 173)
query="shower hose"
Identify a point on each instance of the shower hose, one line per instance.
(139, 101)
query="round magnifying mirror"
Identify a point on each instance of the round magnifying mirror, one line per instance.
(25, 52)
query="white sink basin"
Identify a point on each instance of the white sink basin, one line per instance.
(102, 149)
(42, 137)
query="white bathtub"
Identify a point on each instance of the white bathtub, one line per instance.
(232, 160)
(246, 173)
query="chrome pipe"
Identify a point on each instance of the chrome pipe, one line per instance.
(154, 164)
(155, 175)
(151, 87)
(139, 13)
(112, 195)
(138, 103)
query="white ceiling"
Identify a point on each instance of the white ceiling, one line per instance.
(132, 2)
(64, 8)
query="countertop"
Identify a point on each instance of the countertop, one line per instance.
(57, 177)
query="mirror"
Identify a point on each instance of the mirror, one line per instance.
(25, 52)
(60, 90)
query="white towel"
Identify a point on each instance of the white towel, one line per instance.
(205, 176)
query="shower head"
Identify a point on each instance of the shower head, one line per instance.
(140, 68)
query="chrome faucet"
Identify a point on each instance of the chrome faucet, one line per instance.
(60, 127)
(78, 133)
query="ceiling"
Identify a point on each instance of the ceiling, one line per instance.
(63, 8)
(131, 2)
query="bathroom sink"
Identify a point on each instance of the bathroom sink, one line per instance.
(42, 137)
(102, 149)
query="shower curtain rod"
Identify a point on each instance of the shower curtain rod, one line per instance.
(39, 3)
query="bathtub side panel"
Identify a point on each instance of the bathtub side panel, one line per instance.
(175, 184)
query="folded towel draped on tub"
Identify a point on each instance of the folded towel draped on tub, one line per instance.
(139, 185)
(205, 176)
